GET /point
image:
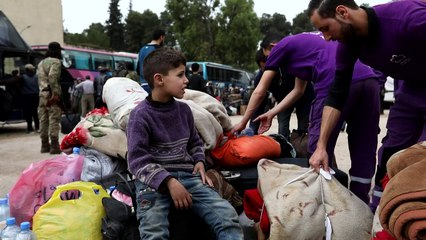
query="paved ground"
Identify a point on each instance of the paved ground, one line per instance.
(18, 149)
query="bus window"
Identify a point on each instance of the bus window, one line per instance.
(76, 59)
(118, 59)
(102, 60)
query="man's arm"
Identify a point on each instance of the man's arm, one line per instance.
(319, 158)
(288, 101)
(256, 99)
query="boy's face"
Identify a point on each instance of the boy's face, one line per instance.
(175, 82)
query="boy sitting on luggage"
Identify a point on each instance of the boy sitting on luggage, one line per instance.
(166, 155)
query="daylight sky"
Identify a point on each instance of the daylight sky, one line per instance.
(79, 14)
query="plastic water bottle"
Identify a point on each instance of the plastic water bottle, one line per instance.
(247, 132)
(75, 151)
(11, 230)
(25, 233)
(4, 209)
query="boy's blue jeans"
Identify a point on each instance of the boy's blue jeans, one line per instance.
(153, 209)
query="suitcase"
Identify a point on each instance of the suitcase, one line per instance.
(248, 177)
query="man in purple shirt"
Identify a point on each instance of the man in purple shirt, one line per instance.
(390, 38)
(308, 57)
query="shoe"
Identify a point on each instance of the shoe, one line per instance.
(54, 147)
(45, 147)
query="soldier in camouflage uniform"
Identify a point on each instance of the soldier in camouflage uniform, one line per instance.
(49, 110)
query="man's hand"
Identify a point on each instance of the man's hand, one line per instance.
(181, 197)
(265, 122)
(199, 168)
(319, 160)
(238, 128)
(53, 100)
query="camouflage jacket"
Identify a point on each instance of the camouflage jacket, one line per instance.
(49, 74)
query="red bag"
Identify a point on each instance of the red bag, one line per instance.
(245, 150)
(38, 181)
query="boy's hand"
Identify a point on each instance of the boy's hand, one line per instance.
(199, 167)
(181, 197)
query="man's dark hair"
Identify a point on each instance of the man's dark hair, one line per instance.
(161, 60)
(158, 33)
(195, 67)
(272, 37)
(260, 57)
(327, 8)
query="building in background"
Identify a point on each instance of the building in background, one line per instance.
(39, 22)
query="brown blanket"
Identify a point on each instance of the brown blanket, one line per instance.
(405, 158)
(403, 204)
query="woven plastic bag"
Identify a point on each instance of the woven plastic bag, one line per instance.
(38, 182)
(77, 218)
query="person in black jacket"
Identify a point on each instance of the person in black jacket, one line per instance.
(196, 81)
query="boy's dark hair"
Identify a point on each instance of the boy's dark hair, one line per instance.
(195, 67)
(161, 60)
(158, 33)
(273, 37)
(327, 8)
(260, 57)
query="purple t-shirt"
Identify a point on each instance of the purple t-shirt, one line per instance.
(310, 57)
(396, 43)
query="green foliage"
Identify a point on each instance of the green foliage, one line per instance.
(302, 23)
(139, 28)
(204, 30)
(114, 26)
(276, 23)
(93, 37)
(238, 34)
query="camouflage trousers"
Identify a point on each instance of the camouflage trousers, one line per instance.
(50, 118)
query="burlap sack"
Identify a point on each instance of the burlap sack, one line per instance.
(296, 210)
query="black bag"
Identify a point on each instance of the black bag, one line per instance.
(120, 222)
(69, 121)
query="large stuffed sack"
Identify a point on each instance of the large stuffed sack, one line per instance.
(245, 150)
(205, 123)
(98, 131)
(212, 105)
(122, 95)
(403, 203)
(293, 199)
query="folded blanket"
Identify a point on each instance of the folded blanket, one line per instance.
(207, 126)
(293, 199)
(403, 207)
(406, 157)
(210, 104)
(98, 131)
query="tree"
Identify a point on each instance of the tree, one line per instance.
(114, 26)
(275, 23)
(302, 23)
(238, 34)
(139, 28)
(93, 37)
(194, 26)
